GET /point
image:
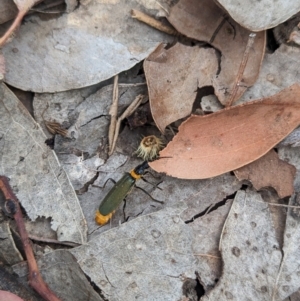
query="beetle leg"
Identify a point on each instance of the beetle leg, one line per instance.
(154, 185)
(155, 200)
(105, 183)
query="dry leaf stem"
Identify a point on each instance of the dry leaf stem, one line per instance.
(12, 28)
(241, 68)
(153, 22)
(35, 279)
(133, 106)
(23, 7)
(113, 112)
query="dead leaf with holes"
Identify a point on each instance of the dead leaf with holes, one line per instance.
(207, 146)
(269, 171)
(173, 77)
(205, 21)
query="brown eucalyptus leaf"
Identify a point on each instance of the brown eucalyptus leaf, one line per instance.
(205, 21)
(173, 77)
(207, 146)
(269, 171)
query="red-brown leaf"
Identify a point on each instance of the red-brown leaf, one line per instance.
(269, 171)
(207, 146)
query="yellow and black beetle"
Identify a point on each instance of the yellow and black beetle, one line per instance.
(118, 193)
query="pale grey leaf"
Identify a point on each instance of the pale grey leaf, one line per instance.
(37, 178)
(260, 15)
(61, 272)
(250, 252)
(87, 46)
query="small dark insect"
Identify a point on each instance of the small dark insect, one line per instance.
(54, 127)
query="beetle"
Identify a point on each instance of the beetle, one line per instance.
(119, 192)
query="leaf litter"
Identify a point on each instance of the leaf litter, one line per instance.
(213, 205)
(207, 22)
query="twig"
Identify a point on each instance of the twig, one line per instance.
(113, 112)
(35, 278)
(241, 69)
(207, 255)
(133, 106)
(153, 22)
(13, 27)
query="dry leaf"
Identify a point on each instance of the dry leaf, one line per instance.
(9, 253)
(207, 146)
(63, 275)
(205, 21)
(173, 77)
(2, 66)
(260, 15)
(79, 49)
(8, 296)
(269, 171)
(251, 255)
(40, 182)
(8, 11)
(288, 279)
(142, 258)
(279, 70)
(291, 155)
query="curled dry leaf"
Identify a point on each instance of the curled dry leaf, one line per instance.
(260, 15)
(207, 146)
(269, 171)
(173, 77)
(205, 21)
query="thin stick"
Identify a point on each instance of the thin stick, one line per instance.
(113, 112)
(133, 106)
(13, 27)
(241, 69)
(153, 22)
(35, 278)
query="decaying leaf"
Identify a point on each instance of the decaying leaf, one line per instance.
(39, 181)
(2, 66)
(63, 276)
(87, 46)
(8, 10)
(173, 77)
(210, 145)
(291, 155)
(250, 252)
(269, 171)
(260, 15)
(207, 232)
(288, 278)
(9, 253)
(205, 21)
(161, 240)
(279, 70)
